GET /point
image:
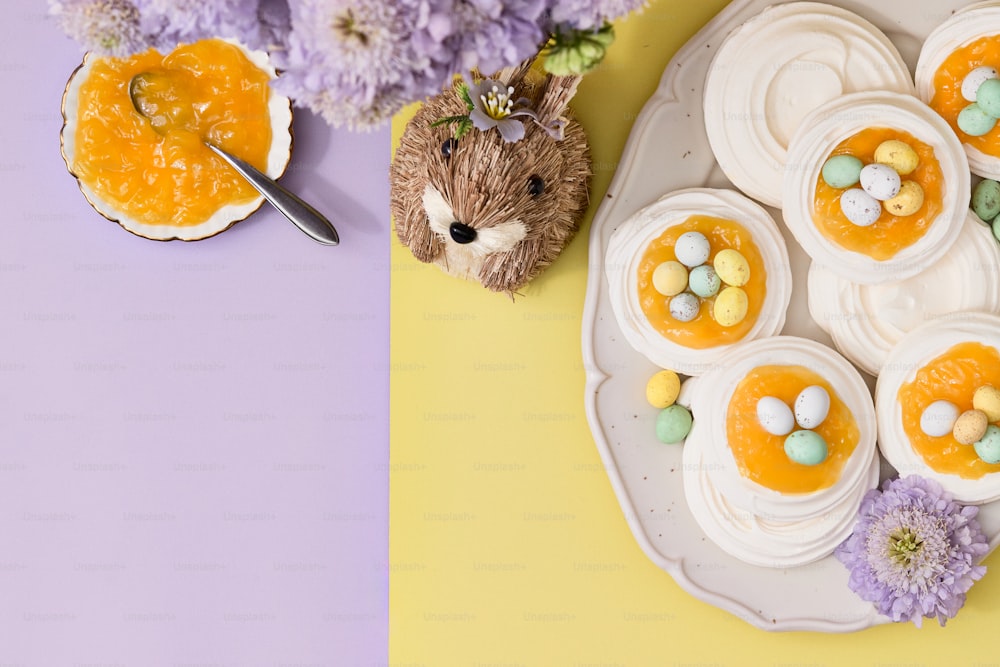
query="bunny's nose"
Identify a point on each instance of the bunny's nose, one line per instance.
(461, 233)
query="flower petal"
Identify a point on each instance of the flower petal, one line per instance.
(481, 120)
(511, 130)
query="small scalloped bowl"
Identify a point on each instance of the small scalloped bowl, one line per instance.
(630, 240)
(278, 156)
(823, 131)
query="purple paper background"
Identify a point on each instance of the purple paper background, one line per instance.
(193, 436)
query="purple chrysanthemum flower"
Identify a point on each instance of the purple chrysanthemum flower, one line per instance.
(914, 551)
(108, 27)
(352, 60)
(175, 21)
(462, 35)
(590, 14)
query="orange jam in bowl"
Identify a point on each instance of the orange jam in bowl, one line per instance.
(890, 234)
(760, 456)
(953, 376)
(155, 175)
(703, 331)
(947, 99)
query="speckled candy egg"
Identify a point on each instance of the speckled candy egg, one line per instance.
(897, 154)
(812, 405)
(684, 307)
(986, 199)
(860, 207)
(731, 306)
(806, 447)
(692, 249)
(673, 424)
(670, 278)
(970, 427)
(988, 447)
(976, 78)
(938, 418)
(663, 388)
(732, 267)
(704, 281)
(987, 399)
(975, 122)
(842, 171)
(988, 97)
(880, 181)
(909, 200)
(775, 416)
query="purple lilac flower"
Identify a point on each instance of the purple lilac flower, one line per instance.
(108, 27)
(914, 551)
(590, 14)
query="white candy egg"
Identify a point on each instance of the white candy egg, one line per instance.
(692, 249)
(880, 181)
(860, 207)
(938, 418)
(684, 307)
(775, 416)
(976, 78)
(812, 405)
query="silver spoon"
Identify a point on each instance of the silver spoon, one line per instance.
(304, 216)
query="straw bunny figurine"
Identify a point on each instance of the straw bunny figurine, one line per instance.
(501, 201)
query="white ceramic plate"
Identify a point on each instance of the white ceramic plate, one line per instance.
(668, 149)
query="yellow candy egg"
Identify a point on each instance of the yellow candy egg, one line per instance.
(731, 306)
(987, 399)
(732, 267)
(970, 427)
(662, 389)
(908, 201)
(670, 278)
(897, 154)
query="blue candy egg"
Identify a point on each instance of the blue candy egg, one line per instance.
(842, 171)
(974, 121)
(673, 424)
(806, 447)
(988, 97)
(704, 281)
(988, 447)
(986, 199)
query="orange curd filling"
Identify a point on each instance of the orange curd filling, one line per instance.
(890, 233)
(703, 331)
(761, 456)
(954, 376)
(208, 89)
(948, 100)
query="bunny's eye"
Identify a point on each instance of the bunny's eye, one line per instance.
(536, 185)
(448, 146)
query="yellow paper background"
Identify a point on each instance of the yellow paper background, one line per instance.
(507, 544)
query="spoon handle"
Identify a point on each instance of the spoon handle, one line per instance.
(304, 216)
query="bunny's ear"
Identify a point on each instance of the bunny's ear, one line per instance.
(554, 103)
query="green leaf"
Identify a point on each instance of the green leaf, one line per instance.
(448, 120)
(463, 92)
(463, 128)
